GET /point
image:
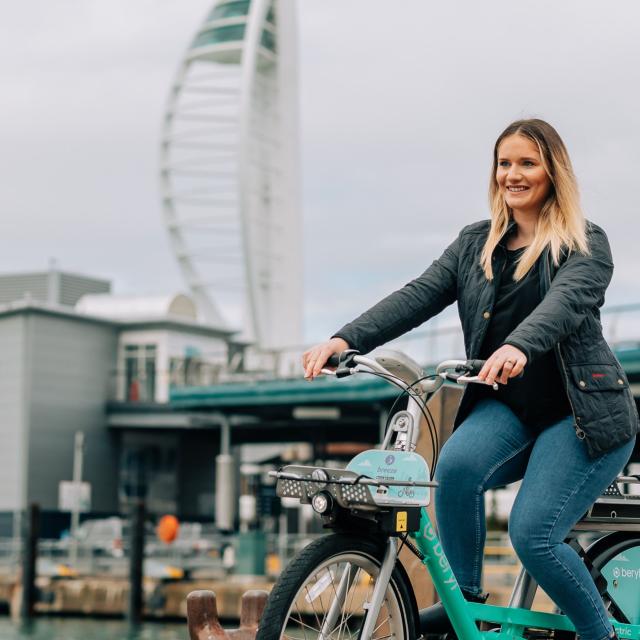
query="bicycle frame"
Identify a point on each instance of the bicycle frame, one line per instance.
(464, 615)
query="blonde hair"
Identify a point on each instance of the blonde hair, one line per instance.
(561, 224)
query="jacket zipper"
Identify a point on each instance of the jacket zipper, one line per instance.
(580, 434)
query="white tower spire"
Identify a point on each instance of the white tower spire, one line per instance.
(229, 170)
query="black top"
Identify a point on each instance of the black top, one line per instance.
(538, 398)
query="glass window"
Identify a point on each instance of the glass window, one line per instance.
(193, 371)
(230, 10)
(140, 372)
(268, 40)
(176, 372)
(236, 9)
(230, 33)
(271, 16)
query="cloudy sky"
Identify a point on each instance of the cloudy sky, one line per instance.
(400, 105)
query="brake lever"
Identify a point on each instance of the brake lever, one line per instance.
(467, 379)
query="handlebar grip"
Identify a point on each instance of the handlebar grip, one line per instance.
(474, 366)
(343, 362)
(334, 360)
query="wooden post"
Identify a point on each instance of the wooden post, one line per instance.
(136, 562)
(30, 533)
(202, 617)
(251, 609)
(204, 623)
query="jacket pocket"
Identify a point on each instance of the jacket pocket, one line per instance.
(598, 377)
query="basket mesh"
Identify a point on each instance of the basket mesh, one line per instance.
(291, 489)
(356, 493)
(612, 490)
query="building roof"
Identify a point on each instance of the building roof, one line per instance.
(173, 322)
(131, 307)
(147, 309)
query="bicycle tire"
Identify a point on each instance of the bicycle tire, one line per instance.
(311, 566)
(620, 599)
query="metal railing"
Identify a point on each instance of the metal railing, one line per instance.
(206, 558)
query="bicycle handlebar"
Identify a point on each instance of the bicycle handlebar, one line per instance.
(459, 371)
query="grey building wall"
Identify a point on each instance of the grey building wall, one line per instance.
(70, 368)
(13, 413)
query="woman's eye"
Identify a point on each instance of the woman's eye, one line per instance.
(528, 163)
(503, 163)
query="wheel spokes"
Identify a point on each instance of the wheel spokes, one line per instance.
(329, 605)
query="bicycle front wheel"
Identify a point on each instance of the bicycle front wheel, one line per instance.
(322, 594)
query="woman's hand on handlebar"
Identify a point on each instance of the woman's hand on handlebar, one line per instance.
(506, 362)
(315, 358)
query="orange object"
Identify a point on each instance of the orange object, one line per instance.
(134, 391)
(167, 529)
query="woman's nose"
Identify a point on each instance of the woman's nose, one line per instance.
(514, 173)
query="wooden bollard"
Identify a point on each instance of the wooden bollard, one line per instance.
(202, 617)
(251, 608)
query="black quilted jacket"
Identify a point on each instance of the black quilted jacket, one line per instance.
(566, 320)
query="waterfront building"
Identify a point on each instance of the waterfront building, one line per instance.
(69, 350)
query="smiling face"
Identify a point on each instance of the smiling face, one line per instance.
(520, 175)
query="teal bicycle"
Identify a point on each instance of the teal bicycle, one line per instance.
(350, 585)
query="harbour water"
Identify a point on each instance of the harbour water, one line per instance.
(94, 629)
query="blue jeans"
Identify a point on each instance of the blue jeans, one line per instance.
(559, 483)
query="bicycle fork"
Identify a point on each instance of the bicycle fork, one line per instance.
(372, 608)
(329, 623)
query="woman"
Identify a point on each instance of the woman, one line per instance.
(529, 284)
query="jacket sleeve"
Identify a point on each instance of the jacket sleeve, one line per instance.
(408, 307)
(577, 289)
